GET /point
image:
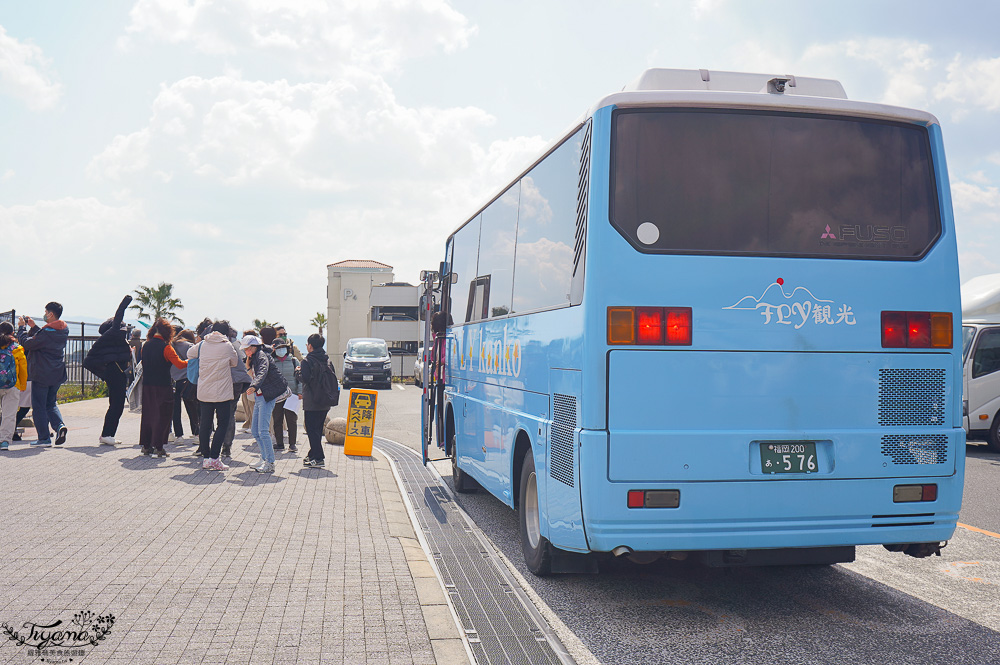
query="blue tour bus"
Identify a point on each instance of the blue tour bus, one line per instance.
(716, 317)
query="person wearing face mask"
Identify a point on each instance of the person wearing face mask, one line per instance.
(286, 411)
(279, 330)
(46, 348)
(268, 384)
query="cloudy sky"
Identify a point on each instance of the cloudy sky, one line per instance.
(234, 148)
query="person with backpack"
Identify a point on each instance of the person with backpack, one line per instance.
(46, 348)
(320, 392)
(13, 381)
(267, 386)
(109, 360)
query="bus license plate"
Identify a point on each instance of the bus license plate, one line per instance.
(789, 457)
(368, 377)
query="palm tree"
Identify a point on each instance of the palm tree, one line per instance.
(319, 321)
(159, 302)
(261, 323)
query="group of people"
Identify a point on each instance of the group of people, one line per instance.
(207, 371)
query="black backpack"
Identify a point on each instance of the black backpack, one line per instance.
(330, 386)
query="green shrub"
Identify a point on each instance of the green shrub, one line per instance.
(71, 392)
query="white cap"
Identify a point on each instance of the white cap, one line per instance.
(250, 340)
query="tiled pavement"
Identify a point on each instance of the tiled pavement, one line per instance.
(302, 566)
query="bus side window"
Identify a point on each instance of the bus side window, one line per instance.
(479, 299)
(465, 259)
(987, 357)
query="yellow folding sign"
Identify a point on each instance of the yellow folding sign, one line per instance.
(360, 423)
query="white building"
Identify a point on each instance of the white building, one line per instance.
(364, 301)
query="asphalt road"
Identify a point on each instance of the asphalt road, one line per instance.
(884, 608)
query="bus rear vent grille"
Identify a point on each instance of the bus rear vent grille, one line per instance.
(911, 397)
(563, 426)
(916, 449)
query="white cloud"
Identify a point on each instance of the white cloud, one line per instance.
(80, 224)
(976, 83)
(977, 221)
(703, 8)
(346, 134)
(903, 69)
(355, 175)
(23, 73)
(968, 196)
(76, 251)
(314, 35)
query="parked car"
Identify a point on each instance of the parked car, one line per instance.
(367, 361)
(418, 368)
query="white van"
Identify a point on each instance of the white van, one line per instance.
(981, 359)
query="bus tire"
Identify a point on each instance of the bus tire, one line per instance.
(993, 436)
(536, 548)
(464, 483)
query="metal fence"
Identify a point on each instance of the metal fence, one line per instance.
(79, 343)
(10, 316)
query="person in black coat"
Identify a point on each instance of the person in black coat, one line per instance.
(316, 402)
(46, 347)
(109, 360)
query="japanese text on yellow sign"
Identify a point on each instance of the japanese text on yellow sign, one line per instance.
(360, 423)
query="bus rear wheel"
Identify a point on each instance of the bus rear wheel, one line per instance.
(993, 436)
(536, 548)
(464, 483)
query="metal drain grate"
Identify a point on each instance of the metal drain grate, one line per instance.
(500, 623)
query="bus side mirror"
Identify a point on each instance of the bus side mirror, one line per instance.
(454, 278)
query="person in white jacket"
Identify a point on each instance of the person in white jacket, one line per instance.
(216, 356)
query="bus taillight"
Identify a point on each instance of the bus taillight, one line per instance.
(650, 321)
(679, 325)
(621, 325)
(916, 330)
(650, 326)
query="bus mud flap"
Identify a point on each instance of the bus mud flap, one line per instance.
(573, 562)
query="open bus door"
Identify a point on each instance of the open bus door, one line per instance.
(431, 375)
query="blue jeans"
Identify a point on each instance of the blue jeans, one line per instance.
(44, 410)
(261, 427)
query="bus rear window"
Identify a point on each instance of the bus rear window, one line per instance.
(772, 184)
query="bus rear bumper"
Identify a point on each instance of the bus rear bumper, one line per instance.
(769, 514)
